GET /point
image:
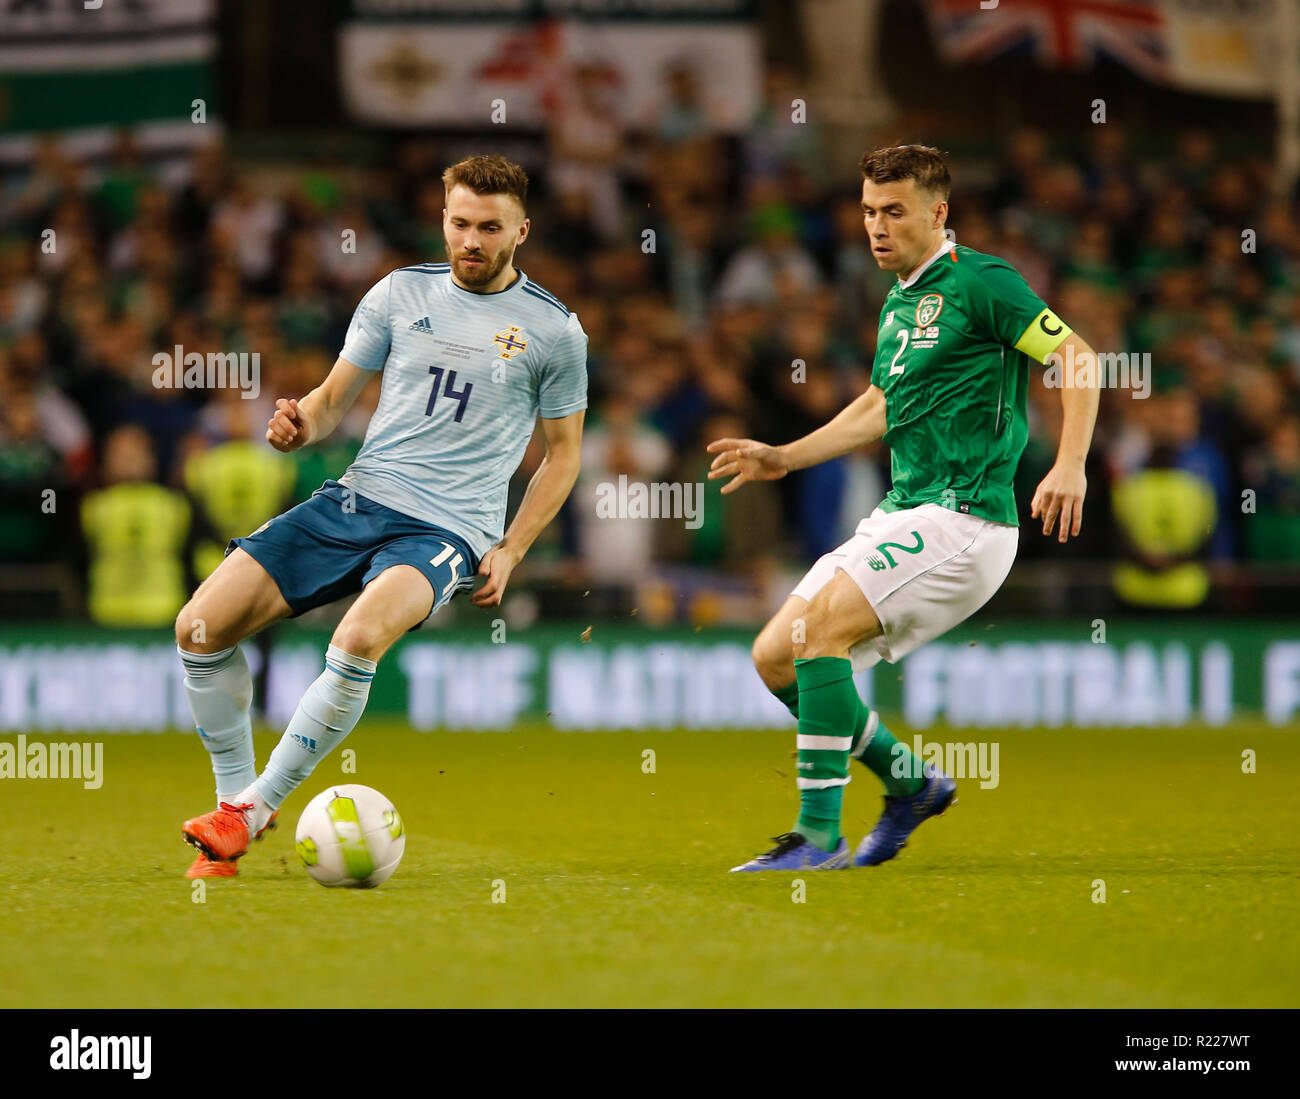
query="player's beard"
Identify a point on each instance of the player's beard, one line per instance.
(484, 273)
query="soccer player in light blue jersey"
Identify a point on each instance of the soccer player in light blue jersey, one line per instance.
(474, 355)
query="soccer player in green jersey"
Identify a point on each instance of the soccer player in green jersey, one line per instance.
(947, 393)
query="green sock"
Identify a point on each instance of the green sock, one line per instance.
(828, 706)
(882, 755)
(789, 698)
(889, 760)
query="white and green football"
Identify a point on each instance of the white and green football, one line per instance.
(350, 836)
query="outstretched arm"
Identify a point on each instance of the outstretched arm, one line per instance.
(1061, 492)
(549, 488)
(298, 423)
(745, 460)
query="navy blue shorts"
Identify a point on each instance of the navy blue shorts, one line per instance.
(335, 543)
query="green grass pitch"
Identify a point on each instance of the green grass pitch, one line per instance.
(616, 884)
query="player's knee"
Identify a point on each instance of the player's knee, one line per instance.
(197, 633)
(772, 660)
(189, 632)
(360, 639)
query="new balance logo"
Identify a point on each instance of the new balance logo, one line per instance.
(423, 325)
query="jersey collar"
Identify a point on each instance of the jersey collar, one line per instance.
(946, 247)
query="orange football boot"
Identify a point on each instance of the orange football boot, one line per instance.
(216, 825)
(221, 834)
(204, 867)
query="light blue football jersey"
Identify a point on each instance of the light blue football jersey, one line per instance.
(465, 377)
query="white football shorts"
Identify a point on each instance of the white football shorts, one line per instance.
(922, 569)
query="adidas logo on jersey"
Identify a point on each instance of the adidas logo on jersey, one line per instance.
(423, 325)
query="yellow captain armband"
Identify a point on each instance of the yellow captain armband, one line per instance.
(1043, 336)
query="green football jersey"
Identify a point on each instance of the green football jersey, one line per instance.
(952, 357)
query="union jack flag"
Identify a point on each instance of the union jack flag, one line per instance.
(1071, 34)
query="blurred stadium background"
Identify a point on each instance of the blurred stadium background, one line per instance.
(230, 177)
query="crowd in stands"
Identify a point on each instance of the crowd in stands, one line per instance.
(749, 309)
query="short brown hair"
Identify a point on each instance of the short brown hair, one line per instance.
(923, 163)
(489, 175)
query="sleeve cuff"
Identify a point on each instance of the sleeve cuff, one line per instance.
(359, 359)
(563, 410)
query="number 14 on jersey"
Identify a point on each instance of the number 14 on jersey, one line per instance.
(449, 390)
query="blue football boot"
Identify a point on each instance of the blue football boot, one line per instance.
(902, 816)
(793, 852)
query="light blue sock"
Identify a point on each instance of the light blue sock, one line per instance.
(220, 691)
(329, 710)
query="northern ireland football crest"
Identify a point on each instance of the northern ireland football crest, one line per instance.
(928, 309)
(510, 342)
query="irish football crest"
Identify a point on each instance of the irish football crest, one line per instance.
(509, 342)
(927, 309)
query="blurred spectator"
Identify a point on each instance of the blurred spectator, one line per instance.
(235, 486)
(776, 141)
(1052, 208)
(1194, 162)
(243, 228)
(32, 484)
(683, 118)
(762, 272)
(304, 314)
(1166, 247)
(1025, 159)
(23, 297)
(1109, 159)
(691, 253)
(1272, 528)
(30, 375)
(735, 533)
(621, 454)
(136, 532)
(1090, 257)
(119, 190)
(586, 146)
(1165, 517)
(1179, 430)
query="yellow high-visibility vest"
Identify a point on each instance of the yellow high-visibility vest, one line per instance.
(239, 485)
(1171, 512)
(136, 535)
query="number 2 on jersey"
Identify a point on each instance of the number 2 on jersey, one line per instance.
(895, 367)
(449, 390)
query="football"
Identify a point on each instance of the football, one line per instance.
(350, 836)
